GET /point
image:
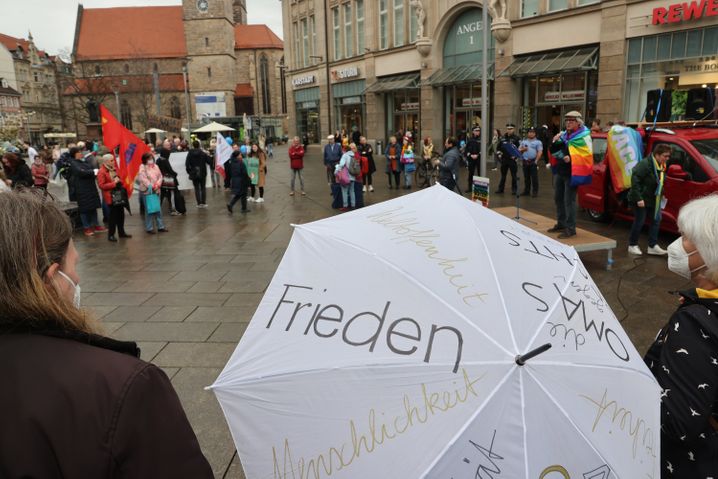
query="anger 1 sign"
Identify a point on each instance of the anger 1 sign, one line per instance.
(679, 12)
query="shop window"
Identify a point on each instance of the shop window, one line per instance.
(556, 5)
(664, 47)
(360, 26)
(348, 37)
(398, 23)
(337, 38)
(710, 41)
(529, 8)
(693, 43)
(383, 25)
(649, 49)
(599, 149)
(679, 156)
(678, 48)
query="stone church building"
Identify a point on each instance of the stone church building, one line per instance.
(150, 66)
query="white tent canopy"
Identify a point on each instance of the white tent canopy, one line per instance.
(213, 128)
(155, 130)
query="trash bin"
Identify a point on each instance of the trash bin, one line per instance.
(379, 150)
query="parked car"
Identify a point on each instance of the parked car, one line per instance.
(692, 172)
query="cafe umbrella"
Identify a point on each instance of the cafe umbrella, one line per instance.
(430, 337)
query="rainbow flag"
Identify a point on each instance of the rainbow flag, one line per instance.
(625, 147)
(580, 149)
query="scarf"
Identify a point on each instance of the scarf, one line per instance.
(660, 172)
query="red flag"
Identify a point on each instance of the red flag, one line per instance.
(111, 129)
(131, 151)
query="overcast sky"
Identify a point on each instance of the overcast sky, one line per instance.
(52, 22)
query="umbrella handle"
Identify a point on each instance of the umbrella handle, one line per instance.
(522, 358)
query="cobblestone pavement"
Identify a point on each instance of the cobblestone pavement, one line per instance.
(187, 296)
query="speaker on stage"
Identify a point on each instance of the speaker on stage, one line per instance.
(652, 105)
(700, 104)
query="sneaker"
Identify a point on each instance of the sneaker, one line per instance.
(174, 213)
(251, 199)
(567, 234)
(635, 249)
(291, 193)
(100, 229)
(163, 230)
(371, 188)
(657, 251)
(364, 189)
(304, 194)
(112, 239)
(88, 232)
(259, 200)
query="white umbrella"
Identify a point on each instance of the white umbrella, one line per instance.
(154, 130)
(213, 128)
(387, 346)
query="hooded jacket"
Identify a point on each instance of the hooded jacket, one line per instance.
(684, 360)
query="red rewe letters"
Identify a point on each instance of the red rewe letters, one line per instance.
(678, 12)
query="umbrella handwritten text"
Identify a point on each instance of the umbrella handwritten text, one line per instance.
(402, 335)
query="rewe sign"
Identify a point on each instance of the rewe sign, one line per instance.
(679, 12)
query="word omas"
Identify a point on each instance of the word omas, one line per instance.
(403, 336)
(572, 308)
(408, 229)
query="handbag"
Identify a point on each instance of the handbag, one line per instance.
(152, 203)
(364, 165)
(168, 182)
(342, 176)
(119, 197)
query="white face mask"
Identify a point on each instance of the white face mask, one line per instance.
(76, 296)
(678, 259)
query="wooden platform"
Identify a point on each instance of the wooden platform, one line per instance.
(583, 241)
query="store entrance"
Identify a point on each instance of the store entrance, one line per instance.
(308, 122)
(351, 116)
(552, 116)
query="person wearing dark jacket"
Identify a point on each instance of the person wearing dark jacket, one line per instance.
(88, 200)
(332, 155)
(684, 356)
(196, 164)
(16, 171)
(170, 186)
(75, 403)
(449, 164)
(473, 155)
(645, 198)
(509, 158)
(239, 179)
(367, 151)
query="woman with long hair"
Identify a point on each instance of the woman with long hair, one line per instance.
(17, 173)
(108, 181)
(257, 168)
(66, 388)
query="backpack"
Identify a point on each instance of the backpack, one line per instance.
(354, 166)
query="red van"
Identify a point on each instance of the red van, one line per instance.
(692, 172)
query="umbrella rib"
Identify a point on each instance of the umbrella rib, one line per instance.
(468, 422)
(539, 362)
(423, 287)
(568, 418)
(523, 419)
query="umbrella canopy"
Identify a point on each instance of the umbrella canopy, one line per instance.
(155, 130)
(392, 343)
(213, 128)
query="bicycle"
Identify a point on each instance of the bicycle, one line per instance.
(428, 171)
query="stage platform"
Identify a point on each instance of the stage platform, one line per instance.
(583, 241)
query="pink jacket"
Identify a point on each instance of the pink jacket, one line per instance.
(150, 178)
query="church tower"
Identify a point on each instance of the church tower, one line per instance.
(239, 8)
(209, 36)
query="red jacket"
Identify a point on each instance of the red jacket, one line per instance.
(296, 157)
(106, 184)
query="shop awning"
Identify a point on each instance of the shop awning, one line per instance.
(400, 82)
(460, 74)
(581, 59)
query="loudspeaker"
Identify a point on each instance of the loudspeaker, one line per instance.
(652, 105)
(700, 104)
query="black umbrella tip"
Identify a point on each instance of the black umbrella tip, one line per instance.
(522, 358)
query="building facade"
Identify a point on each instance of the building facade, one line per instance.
(34, 76)
(178, 67)
(391, 65)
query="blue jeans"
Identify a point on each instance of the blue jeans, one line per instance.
(348, 195)
(89, 219)
(564, 195)
(149, 219)
(639, 218)
(407, 178)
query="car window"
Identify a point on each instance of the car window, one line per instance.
(679, 156)
(709, 150)
(599, 149)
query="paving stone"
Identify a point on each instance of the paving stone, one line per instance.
(110, 327)
(172, 266)
(172, 313)
(100, 286)
(203, 275)
(250, 300)
(100, 311)
(155, 286)
(149, 349)
(225, 314)
(229, 332)
(225, 267)
(207, 287)
(188, 299)
(142, 276)
(244, 286)
(170, 372)
(156, 331)
(193, 354)
(131, 313)
(116, 299)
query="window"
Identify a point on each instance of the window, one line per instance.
(206, 41)
(348, 39)
(97, 70)
(305, 42)
(360, 26)
(126, 114)
(209, 72)
(413, 24)
(529, 8)
(599, 149)
(313, 32)
(555, 5)
(586, 2)
(383, 25)
(36, 76)
(709, 150)
(175, 110)
(297, 51)
(264, 82)
(127, 68)
(337, 40)
(679, 156)
(398, 23)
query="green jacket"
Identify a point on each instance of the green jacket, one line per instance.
(643, 183)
